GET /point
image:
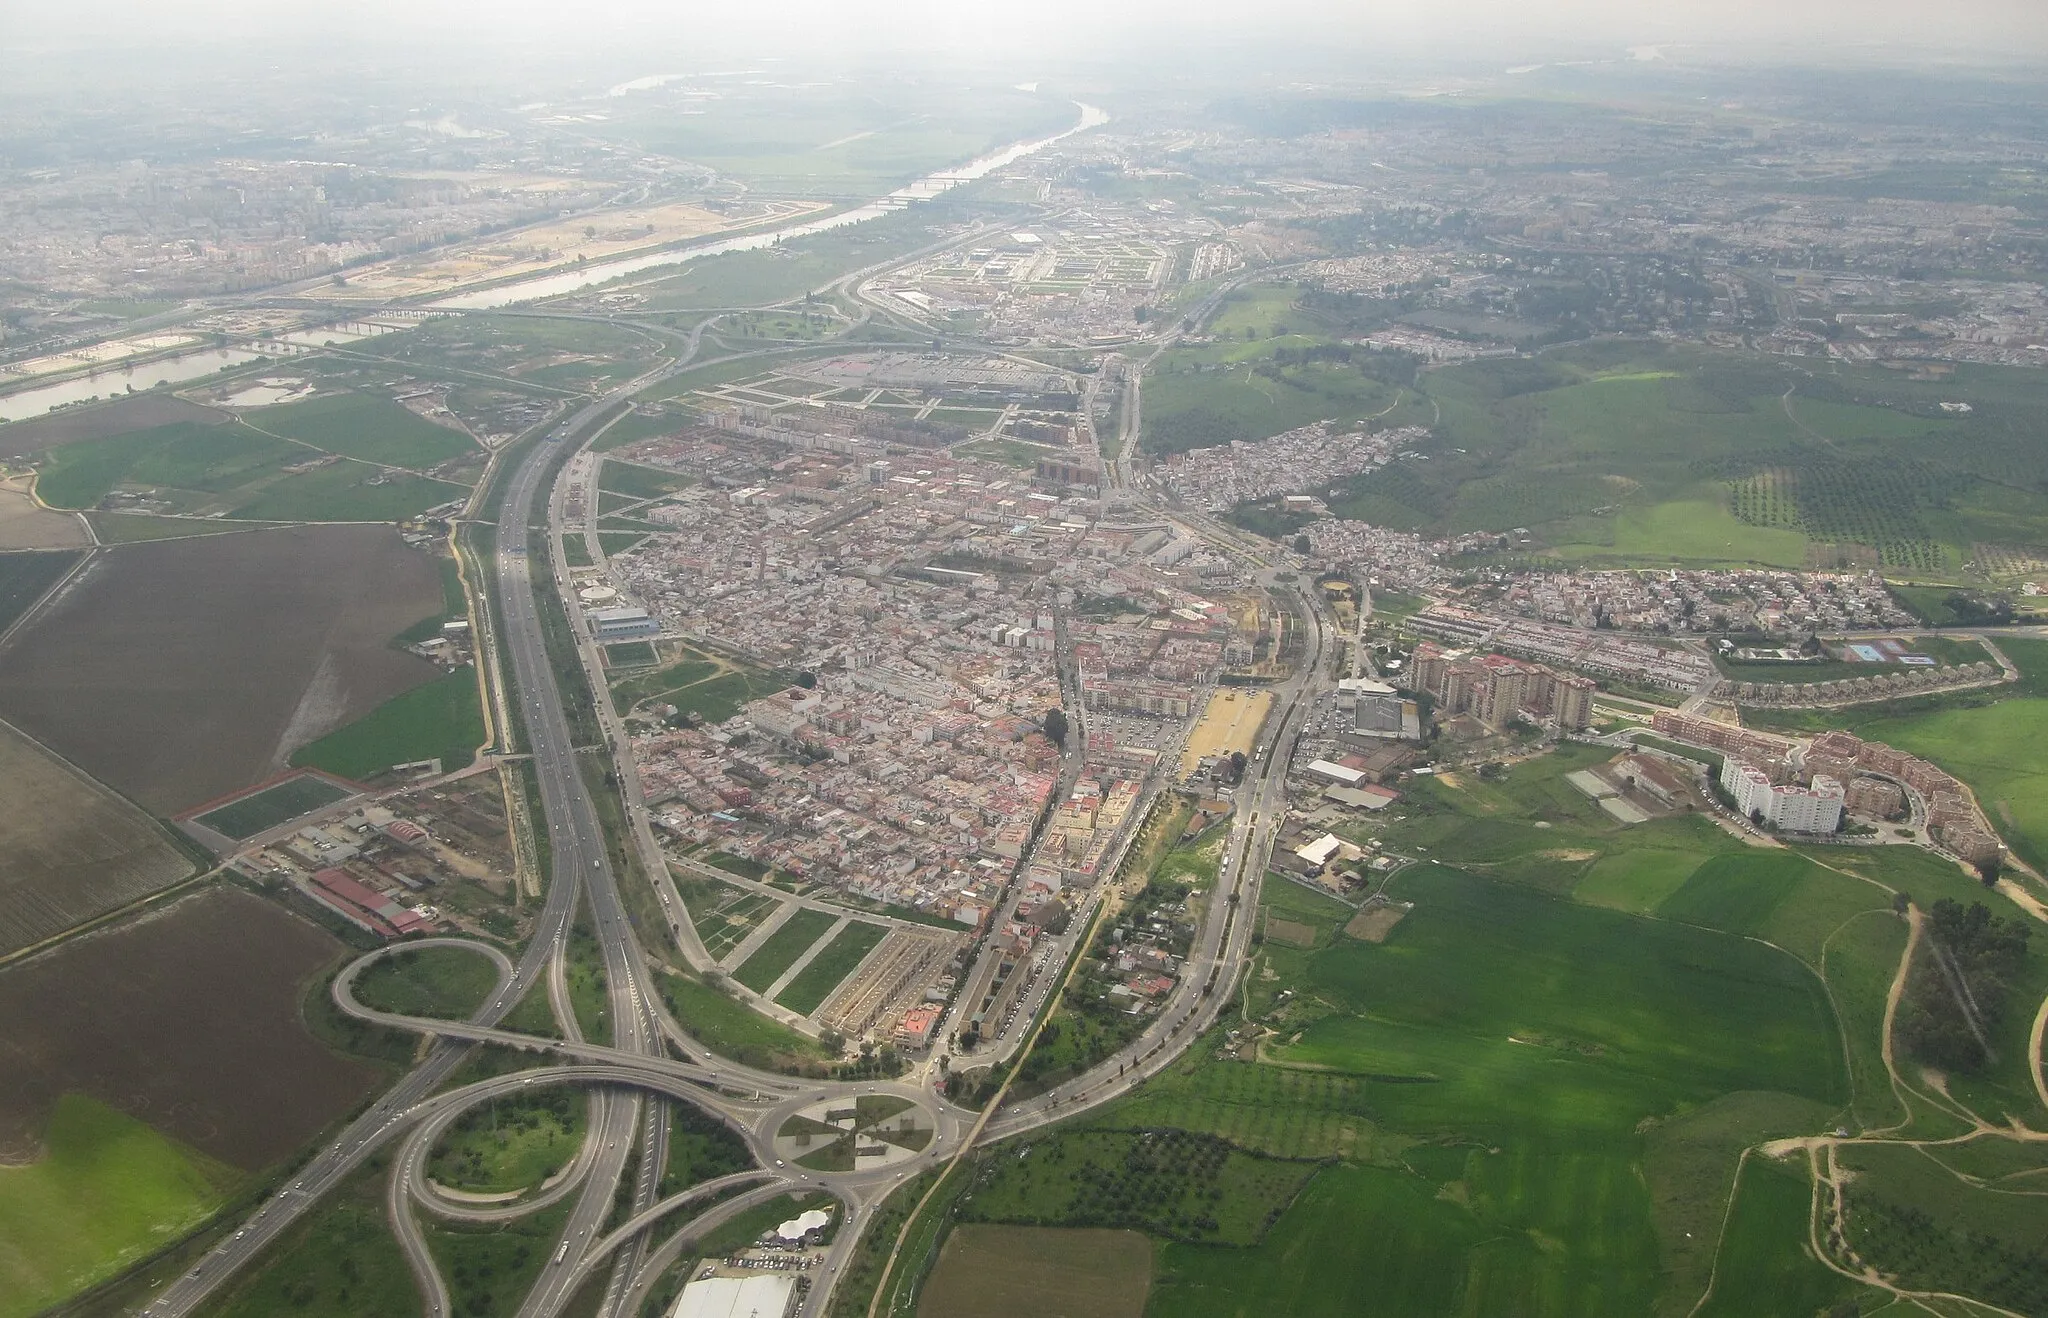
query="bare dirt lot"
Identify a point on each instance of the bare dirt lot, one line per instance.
(182, 670)
(1374, 923)
(187, 1019)
(1039, 1272)
(23, 525)
(69, 848)
(117, 418)
(1230, 723)
(1291, 932)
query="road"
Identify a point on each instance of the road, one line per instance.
(1213, 964)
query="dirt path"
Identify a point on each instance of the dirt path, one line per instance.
(1915, 923)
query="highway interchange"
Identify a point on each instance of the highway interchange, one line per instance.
(652, 1060)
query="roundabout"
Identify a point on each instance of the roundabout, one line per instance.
(851, 1140)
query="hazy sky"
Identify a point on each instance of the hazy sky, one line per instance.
(1482, 29)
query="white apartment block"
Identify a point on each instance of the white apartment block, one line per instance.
(1793, 809)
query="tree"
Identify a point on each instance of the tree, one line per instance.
(1302, 545)
(1901, 903)
(807, 679)
(1989, 870)
(1237, 766)
(1056, 727)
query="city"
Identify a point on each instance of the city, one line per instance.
(843, 678)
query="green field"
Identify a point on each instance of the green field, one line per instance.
(732, 1029)
(338, 1261)
(783, 947)
(349, 492)
(26, 574)
(1201, 397)
(120, 528)
(1619, 453)
(1171, 1184)
(441, 719)
(1495, 1076)
(236, 470)
(272, 806)
(1915, 1218)
(1764, 1268)
(645, 686)
(723, 914)
(630, 478)
(183, 456)
(700, 1148)
(447, 983)
(363, 426)
(106, 1192)
(815, 982)
(512, 1143)
(491, 1268)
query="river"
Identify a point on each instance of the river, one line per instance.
(545, 286)
(185, 367)
(116, 380)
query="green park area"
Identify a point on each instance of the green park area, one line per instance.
(104, 1192)
(809, 988)
(511, 1143)
(795, 936)
(441, 719)
(732, 1029)
(638, 482)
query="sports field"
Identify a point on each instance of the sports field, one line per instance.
(246, 816)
